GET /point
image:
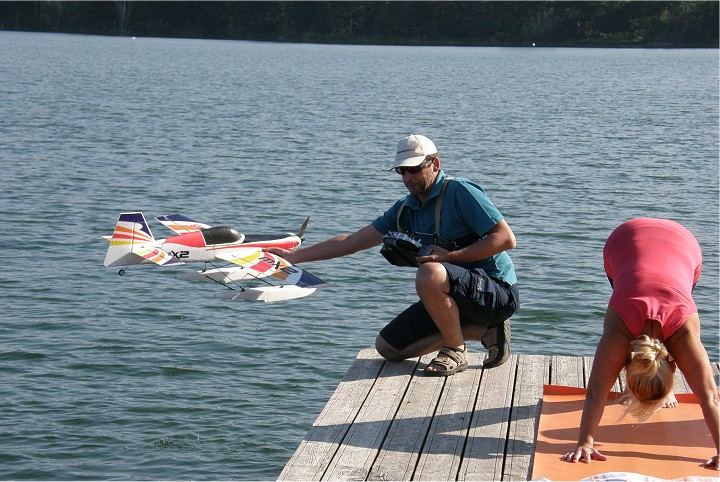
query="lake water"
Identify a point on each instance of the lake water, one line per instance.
(146, 377)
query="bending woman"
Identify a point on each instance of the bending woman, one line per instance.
(651, 324)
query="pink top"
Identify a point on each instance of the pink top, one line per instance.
(653, 265)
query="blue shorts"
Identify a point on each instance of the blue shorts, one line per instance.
(480, 299)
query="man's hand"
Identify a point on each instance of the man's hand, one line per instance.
(287, 255)
(438, 255)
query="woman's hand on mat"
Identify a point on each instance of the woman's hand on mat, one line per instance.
(713, 463)
(583, 453)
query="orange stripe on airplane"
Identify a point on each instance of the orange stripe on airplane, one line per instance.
(120, 230)
(280, 274)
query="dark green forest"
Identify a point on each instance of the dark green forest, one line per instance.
(481, 23)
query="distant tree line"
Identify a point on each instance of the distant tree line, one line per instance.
(557, 23)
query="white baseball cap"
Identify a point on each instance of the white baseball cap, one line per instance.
(412, 150)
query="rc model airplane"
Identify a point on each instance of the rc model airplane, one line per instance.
(237, 261)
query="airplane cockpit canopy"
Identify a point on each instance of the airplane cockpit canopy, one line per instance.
(221, 235)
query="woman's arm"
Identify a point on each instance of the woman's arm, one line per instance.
(689, 353)
(610, 357)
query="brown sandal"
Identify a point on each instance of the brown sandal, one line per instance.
(449, 360)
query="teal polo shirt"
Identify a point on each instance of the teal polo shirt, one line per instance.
(466, 210)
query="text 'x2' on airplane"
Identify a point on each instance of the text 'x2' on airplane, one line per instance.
(235, 260)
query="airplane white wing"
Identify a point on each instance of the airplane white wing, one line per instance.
(260, 264)
(181, 224)
(268, 294)
(264, 276)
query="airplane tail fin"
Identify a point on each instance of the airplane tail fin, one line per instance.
(131, 232)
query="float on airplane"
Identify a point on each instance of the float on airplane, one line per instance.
(232, 259)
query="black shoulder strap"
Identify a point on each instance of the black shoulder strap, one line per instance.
(399, 228)
(438, 205)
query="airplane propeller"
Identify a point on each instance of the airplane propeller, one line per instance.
(301, 233)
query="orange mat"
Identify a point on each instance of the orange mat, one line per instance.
(673, 443)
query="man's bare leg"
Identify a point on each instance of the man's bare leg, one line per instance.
(425, 345)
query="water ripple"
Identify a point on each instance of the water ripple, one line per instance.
(145, 377)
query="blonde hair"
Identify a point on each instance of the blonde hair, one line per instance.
(649, 376)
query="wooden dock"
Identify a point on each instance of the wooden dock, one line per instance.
(386, 421)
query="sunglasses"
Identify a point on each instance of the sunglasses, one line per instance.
(414, 169)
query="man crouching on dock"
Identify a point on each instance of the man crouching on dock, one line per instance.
(466, 281)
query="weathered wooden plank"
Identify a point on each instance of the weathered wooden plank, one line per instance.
(617, 387)
(386, 421)
(443, 449)
(322, 441)
(679, 383)
(355, 457)
(485, 449)
(401, 449)
(587, 367)
(532, 373)
(566, 371)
